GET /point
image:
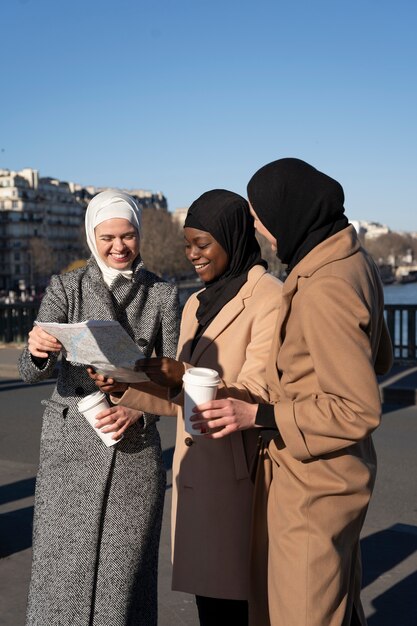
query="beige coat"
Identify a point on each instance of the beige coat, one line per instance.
(330, 343)
(212, 489)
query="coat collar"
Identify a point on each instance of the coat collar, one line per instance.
(340, 246)
(343, 244)
(101, 301)
(229, 312)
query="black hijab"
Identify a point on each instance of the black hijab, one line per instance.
(225, 215)
(300, 206)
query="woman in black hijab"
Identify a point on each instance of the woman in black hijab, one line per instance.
(225, 216)
(227, 326)
(298, 204)
(329, 344)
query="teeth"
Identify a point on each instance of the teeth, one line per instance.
(198, 267)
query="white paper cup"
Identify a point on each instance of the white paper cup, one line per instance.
(200, 385)
(92, 405)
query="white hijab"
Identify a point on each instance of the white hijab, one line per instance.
(107, 205)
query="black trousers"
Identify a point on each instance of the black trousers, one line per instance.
(219, 612)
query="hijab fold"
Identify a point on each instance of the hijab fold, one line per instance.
(108, 205)
(225, 215)
(300, 206)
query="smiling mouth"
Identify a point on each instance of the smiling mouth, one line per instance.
(201, 265)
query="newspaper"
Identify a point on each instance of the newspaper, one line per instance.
(104, 345)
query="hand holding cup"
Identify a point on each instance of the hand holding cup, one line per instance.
(200, 385)
(224, 417)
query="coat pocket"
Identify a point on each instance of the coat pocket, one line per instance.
(53, 420)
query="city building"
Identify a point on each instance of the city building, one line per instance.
(179, 215)
(370, 230)
(42, 226)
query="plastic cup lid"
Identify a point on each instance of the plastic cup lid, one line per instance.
(203, 376)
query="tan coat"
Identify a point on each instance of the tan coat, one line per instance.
(212, 490)
(330, 342)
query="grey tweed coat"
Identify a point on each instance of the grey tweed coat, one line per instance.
(98, 510)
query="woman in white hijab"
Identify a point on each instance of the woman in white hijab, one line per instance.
(98, 509)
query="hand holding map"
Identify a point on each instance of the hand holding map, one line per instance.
(104, 345)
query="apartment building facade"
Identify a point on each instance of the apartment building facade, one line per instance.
(41, 225)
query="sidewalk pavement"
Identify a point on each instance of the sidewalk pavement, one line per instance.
(389, 538)
(9, 354)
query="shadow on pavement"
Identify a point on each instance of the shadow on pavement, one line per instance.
(382, 552)
(16, 526)
(16, 531)
(10, 384)
(167, 456)
(398, 600)
(18, 490)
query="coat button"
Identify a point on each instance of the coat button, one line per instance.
(188, 441)
(79, 391)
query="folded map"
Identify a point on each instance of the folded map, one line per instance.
(104, 345)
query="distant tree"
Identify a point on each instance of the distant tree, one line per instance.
(162, 244)
(74, 265)
(81, 242)
(391, 246)
(42, 261)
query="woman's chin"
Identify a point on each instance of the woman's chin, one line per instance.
(120, 266)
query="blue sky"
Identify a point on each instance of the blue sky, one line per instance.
(183, 96)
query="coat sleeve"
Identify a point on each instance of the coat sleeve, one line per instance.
(167, 339)
(54, 308)
(335, 324)
(251, 384)
(147, 397)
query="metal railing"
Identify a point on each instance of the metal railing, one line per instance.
(17, 319)
(401, 321)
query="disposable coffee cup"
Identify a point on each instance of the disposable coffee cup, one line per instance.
(92, 405)
(200, 385)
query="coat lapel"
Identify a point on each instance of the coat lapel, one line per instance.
(290, 287)
(220, 322)
(229, 312)
(99, 305)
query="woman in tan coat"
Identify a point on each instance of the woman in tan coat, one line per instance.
(330, 342)
(228, 326)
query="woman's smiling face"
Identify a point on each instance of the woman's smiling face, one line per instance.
(209, 259)
(117, 242)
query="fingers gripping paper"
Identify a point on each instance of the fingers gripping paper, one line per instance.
(104, 345)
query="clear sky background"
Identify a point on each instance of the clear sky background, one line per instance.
(183, 96)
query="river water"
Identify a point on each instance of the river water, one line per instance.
(393, 294)
(400, 294)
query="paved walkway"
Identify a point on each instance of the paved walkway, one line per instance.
(389, 540)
